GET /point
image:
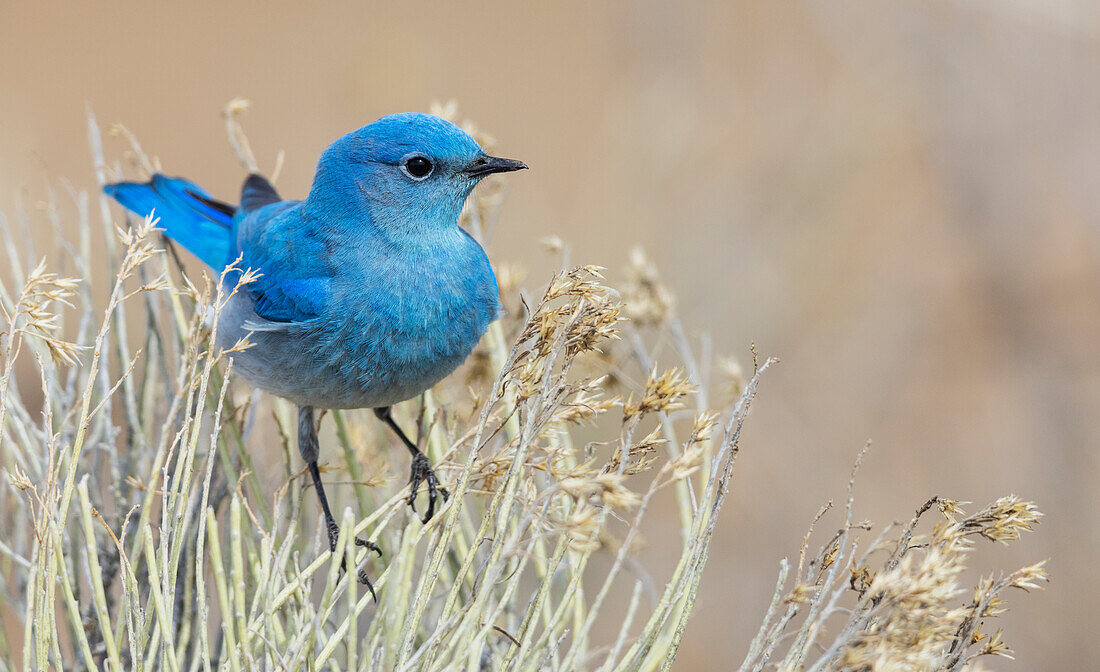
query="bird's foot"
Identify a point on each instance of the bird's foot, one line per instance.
(361, 574)
(334, 533)
(422, 472)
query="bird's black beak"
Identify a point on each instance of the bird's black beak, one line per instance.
(487, 165)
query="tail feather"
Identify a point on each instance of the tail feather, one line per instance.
(187, 213)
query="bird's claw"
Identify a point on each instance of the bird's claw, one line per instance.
(365, 580)
(334, 533)
(369, 545)
(361, 574)
(422, 471)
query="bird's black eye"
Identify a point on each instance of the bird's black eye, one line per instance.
(418, 167)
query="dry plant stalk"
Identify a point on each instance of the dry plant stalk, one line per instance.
(136, 533)
(904, 611)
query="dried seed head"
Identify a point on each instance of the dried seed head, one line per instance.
(552, 244)
(732, 377)
(802, 593)
(237, 106)
(509, 277)
(19, 480)
(489, 472)
(615, 493)
(703, 427)
(1030, 577)
(577, 313)
(606, 488)
(640, 455)
(1001, 521)
(444, 109)
(994, 645)
(688, 462)
(645, 299)
(950, 508)
(582, 527)
(662, 393)
(861, 578)
(994, 606)
(914, 622)
(585, 405)
(33, 313)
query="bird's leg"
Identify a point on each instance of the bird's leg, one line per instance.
(421, 468)
(309, 447)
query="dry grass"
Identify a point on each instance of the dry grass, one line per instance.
(137, 534)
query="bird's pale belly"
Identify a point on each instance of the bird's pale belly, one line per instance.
(364, 361)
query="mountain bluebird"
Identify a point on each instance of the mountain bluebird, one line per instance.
(369, 292)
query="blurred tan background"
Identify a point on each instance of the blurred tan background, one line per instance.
(901, 200)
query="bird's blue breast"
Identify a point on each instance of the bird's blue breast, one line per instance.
(398, 317)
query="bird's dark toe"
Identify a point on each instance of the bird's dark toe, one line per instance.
(433, 495)
(365, 580)
(422, 472)
(369, 545)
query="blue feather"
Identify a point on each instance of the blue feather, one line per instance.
(187, 213)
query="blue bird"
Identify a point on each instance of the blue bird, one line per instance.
(369, 292)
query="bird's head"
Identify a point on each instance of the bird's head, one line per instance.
(409, 171)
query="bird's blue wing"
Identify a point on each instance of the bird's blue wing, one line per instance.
(265, 231)
(289, 299)
(295, 274)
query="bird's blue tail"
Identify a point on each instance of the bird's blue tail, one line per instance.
(187, 213)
